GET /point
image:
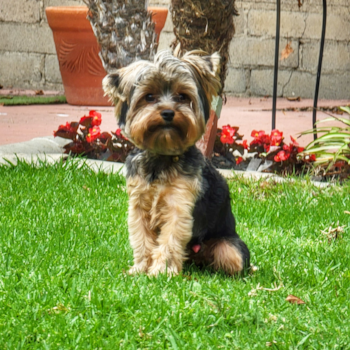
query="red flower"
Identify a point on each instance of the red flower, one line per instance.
(281, 156)
(276, 137)
(66, 127)
(260, 138)
(257, 134)
(94, 133)
(93, 119)
(119, 134)
(293, 147)
(294, 141)
(239, 160)
(245, 144)
(96, 118)
(296, 144)
(227, 134)
(68, 131)
(312, 158)
(85, 121)
(265, 139)
(289, 148)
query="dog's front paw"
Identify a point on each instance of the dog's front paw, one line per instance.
(138, 268)
(156, 269)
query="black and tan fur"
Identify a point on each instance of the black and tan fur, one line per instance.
(177, 200)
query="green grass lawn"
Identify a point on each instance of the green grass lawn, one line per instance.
(31, 100)
(64, 251)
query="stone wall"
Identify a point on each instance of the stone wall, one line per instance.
(28, 58)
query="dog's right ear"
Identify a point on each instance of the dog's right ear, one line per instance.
(110, 84)
(119, 86)
(112, 87)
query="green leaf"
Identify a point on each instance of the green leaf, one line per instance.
(330, 119)
(302, 341)
(330, 157)
(333, 118)
(343, 137)
(316, 149)
(321, 129)
(346, 109)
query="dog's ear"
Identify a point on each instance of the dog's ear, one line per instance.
(112, 87)
(206, 69)
(111, 83)
(119, 86)
(214, 63)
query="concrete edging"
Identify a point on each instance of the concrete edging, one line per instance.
(50, 149)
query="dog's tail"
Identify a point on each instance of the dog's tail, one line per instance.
(230, 255)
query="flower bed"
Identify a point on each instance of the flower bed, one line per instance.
(88, 140)
(267, 152)
(275, 154)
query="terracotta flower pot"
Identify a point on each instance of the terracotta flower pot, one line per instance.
(77, 51)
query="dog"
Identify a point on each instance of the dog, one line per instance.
(179, 204)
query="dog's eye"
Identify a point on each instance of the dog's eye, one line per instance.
(150, 98)
(181, 98)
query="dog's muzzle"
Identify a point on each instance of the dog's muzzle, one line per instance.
(167, 115)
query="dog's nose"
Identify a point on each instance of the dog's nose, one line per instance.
(167, 114)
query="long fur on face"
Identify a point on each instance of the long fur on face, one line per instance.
(143, 90)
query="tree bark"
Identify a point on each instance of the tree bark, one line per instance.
(206, 25)
(124, 30)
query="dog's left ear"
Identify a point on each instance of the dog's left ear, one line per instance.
(214, 64)
(206, 69)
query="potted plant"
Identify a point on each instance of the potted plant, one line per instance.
(78, 50)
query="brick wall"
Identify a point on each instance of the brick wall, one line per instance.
(28, 58)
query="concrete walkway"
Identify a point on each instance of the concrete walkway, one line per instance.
(27, 130)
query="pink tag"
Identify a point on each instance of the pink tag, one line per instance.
(196, 248)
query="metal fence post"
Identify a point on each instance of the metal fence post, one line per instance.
(275, 75)
(319, 68)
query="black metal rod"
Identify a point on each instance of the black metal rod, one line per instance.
(275, 75)
(319, 68)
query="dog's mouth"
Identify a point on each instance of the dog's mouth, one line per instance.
(166, 128)
(166, 139)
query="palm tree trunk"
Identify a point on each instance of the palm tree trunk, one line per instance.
(124, 30)
(206, 25)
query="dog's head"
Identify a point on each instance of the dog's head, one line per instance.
(163, 106)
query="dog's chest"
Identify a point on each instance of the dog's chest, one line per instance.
(159, 201)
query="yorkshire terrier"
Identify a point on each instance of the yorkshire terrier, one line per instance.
(179, 205)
